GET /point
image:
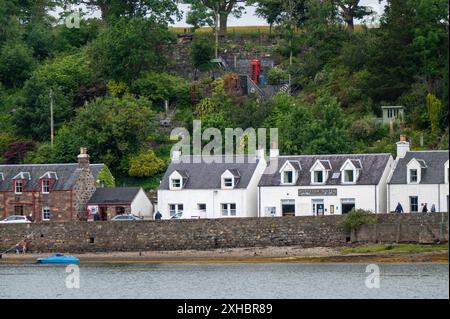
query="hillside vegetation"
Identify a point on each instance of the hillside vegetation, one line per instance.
(109, 80)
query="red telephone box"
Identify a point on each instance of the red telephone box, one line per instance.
(255, 69)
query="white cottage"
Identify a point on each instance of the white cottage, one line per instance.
(314, 185)
(211, 187)
(419, 177)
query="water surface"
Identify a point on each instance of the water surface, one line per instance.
(226, 281)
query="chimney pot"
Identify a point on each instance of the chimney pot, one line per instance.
(83, 158)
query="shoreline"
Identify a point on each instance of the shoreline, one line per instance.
(242, 255)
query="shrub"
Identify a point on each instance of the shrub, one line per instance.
(105, 178)
(145, 164)
(277, 75)
(357, 218)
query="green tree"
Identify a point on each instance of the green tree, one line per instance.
(111, 128)
(434, 106)
(129, 47)
(16, 64)
(146, 164)
(106, 178)
(64, 75)
(202, 52)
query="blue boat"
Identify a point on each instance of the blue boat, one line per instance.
(58, 259)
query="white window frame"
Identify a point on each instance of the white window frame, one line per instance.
(313, 181)
(410, 175)
(344, 176)
(226, 182)
(283, 177)
(176, 183)
(46, 210)
(227, 211)
(177, 209)
(21, 186)
(45, 188)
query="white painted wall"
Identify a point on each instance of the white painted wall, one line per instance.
(426, 193)
(382, 187)
(245, 199)
(364, 196)
(141, 205)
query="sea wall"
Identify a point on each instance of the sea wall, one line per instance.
(78, 237)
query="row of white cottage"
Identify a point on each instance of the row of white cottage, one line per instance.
(221, 187)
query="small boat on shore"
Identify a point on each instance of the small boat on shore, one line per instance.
(58, 259)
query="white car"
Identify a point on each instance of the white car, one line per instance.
(15, 219)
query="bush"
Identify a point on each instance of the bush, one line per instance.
(357, 218)
(277, 75)
(105, 178)
(146, 164)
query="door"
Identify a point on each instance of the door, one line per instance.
(288, 207)
(347, 204)
(318, 207)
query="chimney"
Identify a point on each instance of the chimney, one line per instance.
(402, 147)
(83, 158)
(176, 156)
(274, 150)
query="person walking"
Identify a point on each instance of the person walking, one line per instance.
(158, 215)
(433, 208)
(399, 209)
(425, 208)
(30, 218)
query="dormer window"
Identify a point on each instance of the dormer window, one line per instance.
(350, 171)
(415, 169)
(176, 183)
(319, 172)
(18, 186)
(230, 178)
(177, 180)
(288, 177)
(228, 182)
(349, 176)
(318, 177)
(289, 172)
(45, 186)
(413, 176)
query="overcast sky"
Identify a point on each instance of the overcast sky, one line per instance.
(250, 19)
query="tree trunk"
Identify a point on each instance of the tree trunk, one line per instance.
(223, 24)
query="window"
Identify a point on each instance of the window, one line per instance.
(413, 176)
(228, 182)
(288, 177)
(349, 176)
(270, 211)
(201, 207)
(176, 183)
(18, 210)
(45, 213)
(18, 186)
(318, 177)
(228, 209)
(414, 204)
(120, 210)
(175, 209)
(45, 186)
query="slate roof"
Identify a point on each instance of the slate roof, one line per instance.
(67, 175)
(112, 196)
(373, 167)
(433, 173)
(207, 175)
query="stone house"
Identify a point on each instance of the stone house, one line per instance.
(211, 186)
(49, 192)
(419, 177)
(313, 185)
(107, 203)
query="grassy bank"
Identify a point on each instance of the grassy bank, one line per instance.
(395, 248)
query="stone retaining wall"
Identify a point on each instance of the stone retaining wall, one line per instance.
(78, 237)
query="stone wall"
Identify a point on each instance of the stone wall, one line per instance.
(78, 237)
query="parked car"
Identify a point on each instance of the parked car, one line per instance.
(15, 219)
(125, 218)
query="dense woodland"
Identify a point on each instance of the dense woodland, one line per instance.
(110, 77)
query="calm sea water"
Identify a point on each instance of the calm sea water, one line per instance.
(204, 281)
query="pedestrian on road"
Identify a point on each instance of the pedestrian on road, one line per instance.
(399, 209)
(158, 215)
